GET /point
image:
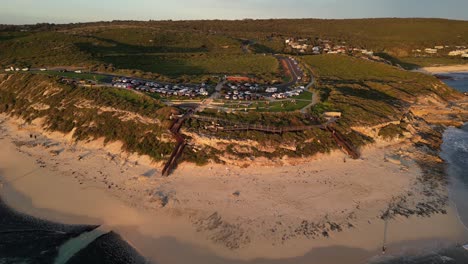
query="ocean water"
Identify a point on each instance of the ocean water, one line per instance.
(25, 239)
(455, 153)
(458, 81)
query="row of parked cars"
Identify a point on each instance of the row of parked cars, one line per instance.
(295, 92)
(163, 89)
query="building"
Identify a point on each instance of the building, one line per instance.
(367, 52)
(431, 51)
(238, 79)
(330, 115)
(458, 52)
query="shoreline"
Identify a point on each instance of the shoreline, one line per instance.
(444, 69)
(184, 210)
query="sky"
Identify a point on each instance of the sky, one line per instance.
(65, 11)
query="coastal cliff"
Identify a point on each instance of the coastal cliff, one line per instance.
(92, 126)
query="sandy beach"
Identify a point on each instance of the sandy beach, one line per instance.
(217, 212)
(445, 69)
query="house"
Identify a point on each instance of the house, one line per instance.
(459, 52)
(25, 69)
(316, 49)
(332, 115)
(368, 52)
(237, 78)
(439, 47)
(78, 71)
(431, 51)
(8, 69)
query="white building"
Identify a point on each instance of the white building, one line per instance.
(458, 52)
(431, 51)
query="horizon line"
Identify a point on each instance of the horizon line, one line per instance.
(227, 19)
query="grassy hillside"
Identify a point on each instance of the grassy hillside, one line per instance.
(175, 65)
(196, 48)
(137, 120)
(369, 93)
(42, 49)
(169, 53)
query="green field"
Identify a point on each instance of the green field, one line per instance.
(434, 61)
(79, 76)
(197, 49)
(174, 65)
(166, 53)
(283, 105)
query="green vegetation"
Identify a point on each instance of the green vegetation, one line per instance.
(432, 61)
(291, 104)
(368, 93)
(82, 76)
(197, 49)
(175, 65)
(392, 131)
(297, 145)
(113, 114)
(40, 49)
(141, 49)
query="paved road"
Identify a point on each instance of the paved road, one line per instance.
(218, 88)
(293, 69)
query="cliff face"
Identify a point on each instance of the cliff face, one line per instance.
(141, 123)
(138, 121)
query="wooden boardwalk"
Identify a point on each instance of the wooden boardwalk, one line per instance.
(343, 143)
(180, 146)
(228, 125)
(236, 126)
(339, 138)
